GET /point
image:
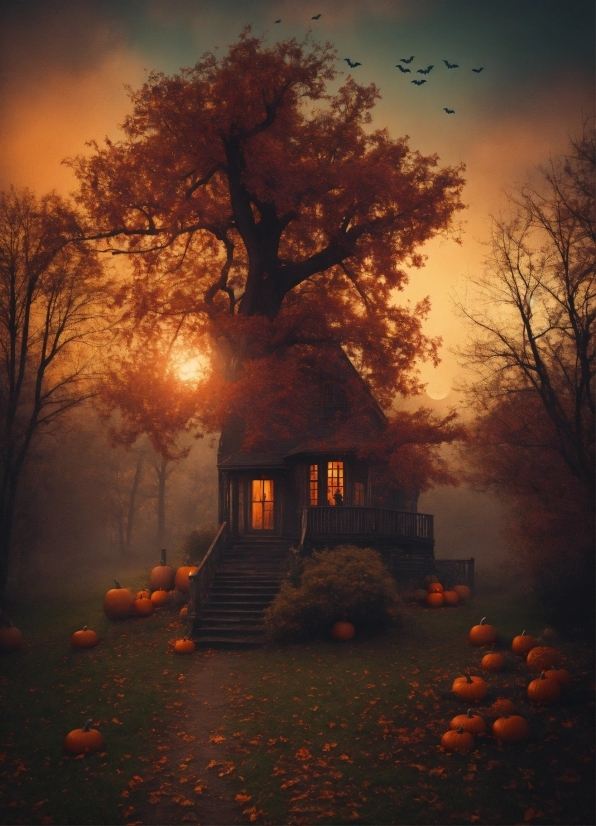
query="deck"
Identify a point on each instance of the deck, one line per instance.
(411, 531)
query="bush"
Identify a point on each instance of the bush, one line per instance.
(196, 544)
(346, 583)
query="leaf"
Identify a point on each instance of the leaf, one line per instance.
(303, 754)
(242, 798)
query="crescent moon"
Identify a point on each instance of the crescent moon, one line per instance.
(438, 392)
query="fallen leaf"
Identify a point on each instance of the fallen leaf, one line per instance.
(303, 754)
(242, 798)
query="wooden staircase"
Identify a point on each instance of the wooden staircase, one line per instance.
(246, 581)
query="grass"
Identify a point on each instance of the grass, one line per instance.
(319, 733)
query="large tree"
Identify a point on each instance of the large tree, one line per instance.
(52, 314)
(533, 351)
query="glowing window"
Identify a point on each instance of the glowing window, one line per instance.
(359, 493)
(313, 483)
(262, 505)
(335, 481)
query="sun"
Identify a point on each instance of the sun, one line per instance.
(191, 367)
(438, 390)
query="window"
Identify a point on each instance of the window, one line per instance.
(335, 481)
(313, 485)
(262, 505)
(359, 493)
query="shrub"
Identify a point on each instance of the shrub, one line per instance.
(196, 544)
(346, 583)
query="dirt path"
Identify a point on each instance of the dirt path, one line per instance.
(192, 776)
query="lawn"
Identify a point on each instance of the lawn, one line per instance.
(319, 733)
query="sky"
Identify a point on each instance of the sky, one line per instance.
(65, 66)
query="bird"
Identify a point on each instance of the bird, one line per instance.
(278, 21)
(315, 16)
(418, 82)
(350, 64)
(478, 70)
(425, 71)
(401, 69)
(449, 111)
(407, 59)
(450, 65)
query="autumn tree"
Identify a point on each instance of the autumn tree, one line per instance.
(533, 352)
(51, 321)
(264, 217)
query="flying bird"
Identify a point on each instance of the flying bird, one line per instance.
(278, 21)
(449, 111)
(478, 70)
(425, 71)
(450, 65)
(418, 82)
(350, 64)
(315, 16)
(407, 59)
(401, 69)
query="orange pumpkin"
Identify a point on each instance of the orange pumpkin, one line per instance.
(543, 690)
(117, 603)
(343, 631)
(451, 598)
(184, 646)
(460, 740)
(435, 588)
(143, 606)
(543, 657)
(469, 688)
(84, 639)
(493, 662)
(482, 634)
(84, 740)
(435, 599)
(159, 598)
(463, 592)
(561, 675)
(469, 722)
(11, 638)
(161, 577)
(511, 729)
(503, 707)
(145, 592)
(523, 643)
(181, 579)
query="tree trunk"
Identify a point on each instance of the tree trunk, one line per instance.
(132, 503)
(7, 505)
(161, 471)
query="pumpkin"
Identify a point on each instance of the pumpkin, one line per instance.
(181, 579)
(420, 595)
(482, 634)
(84, 639)
(143, 606)
(543, 657)
(561, 675)
(144, 593)
(117, 603)
(184, 612)
(343, 631)
(435, 588)
(511, 728)
(435, 599)
(469, 722)
(469, 688)
(159, 598)
(83, 740)
(503, 707)
(11, 638)
(184, 646)
(460, 740)
(451, 597)
(523, 643)
(161, 577)
(543, 690)
(493, 662)
(463, 592)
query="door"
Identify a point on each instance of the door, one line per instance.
(262, 505)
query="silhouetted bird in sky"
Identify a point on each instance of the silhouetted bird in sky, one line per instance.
(449, 111)
(350, 64)
(315, 16)
(450, 65)
(425, 71)
(401, 69)
(407, 59)
(418, 82)
(478, 70)
(278, 21)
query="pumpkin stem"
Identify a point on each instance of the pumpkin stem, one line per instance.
(460, 730)
(84, 627)
(117, 584)
(163, 556)
(470, 713)
(543, 676)
(87, 724)
(468, 679)
(482, 620)
(523, 632)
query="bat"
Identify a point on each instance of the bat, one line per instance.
(406, 59)
(418, 82)
(449, 111)
(478, 70)
(425, 71)
(350, 64)
(315, 16)
(401, 68)
(450, 65)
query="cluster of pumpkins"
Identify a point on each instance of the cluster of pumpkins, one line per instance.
(119, 603)
(508, 727)
(435, 596)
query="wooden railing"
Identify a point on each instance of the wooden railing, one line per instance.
(361, 521)
(200, 581)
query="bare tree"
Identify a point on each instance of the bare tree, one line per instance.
(52, 316)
